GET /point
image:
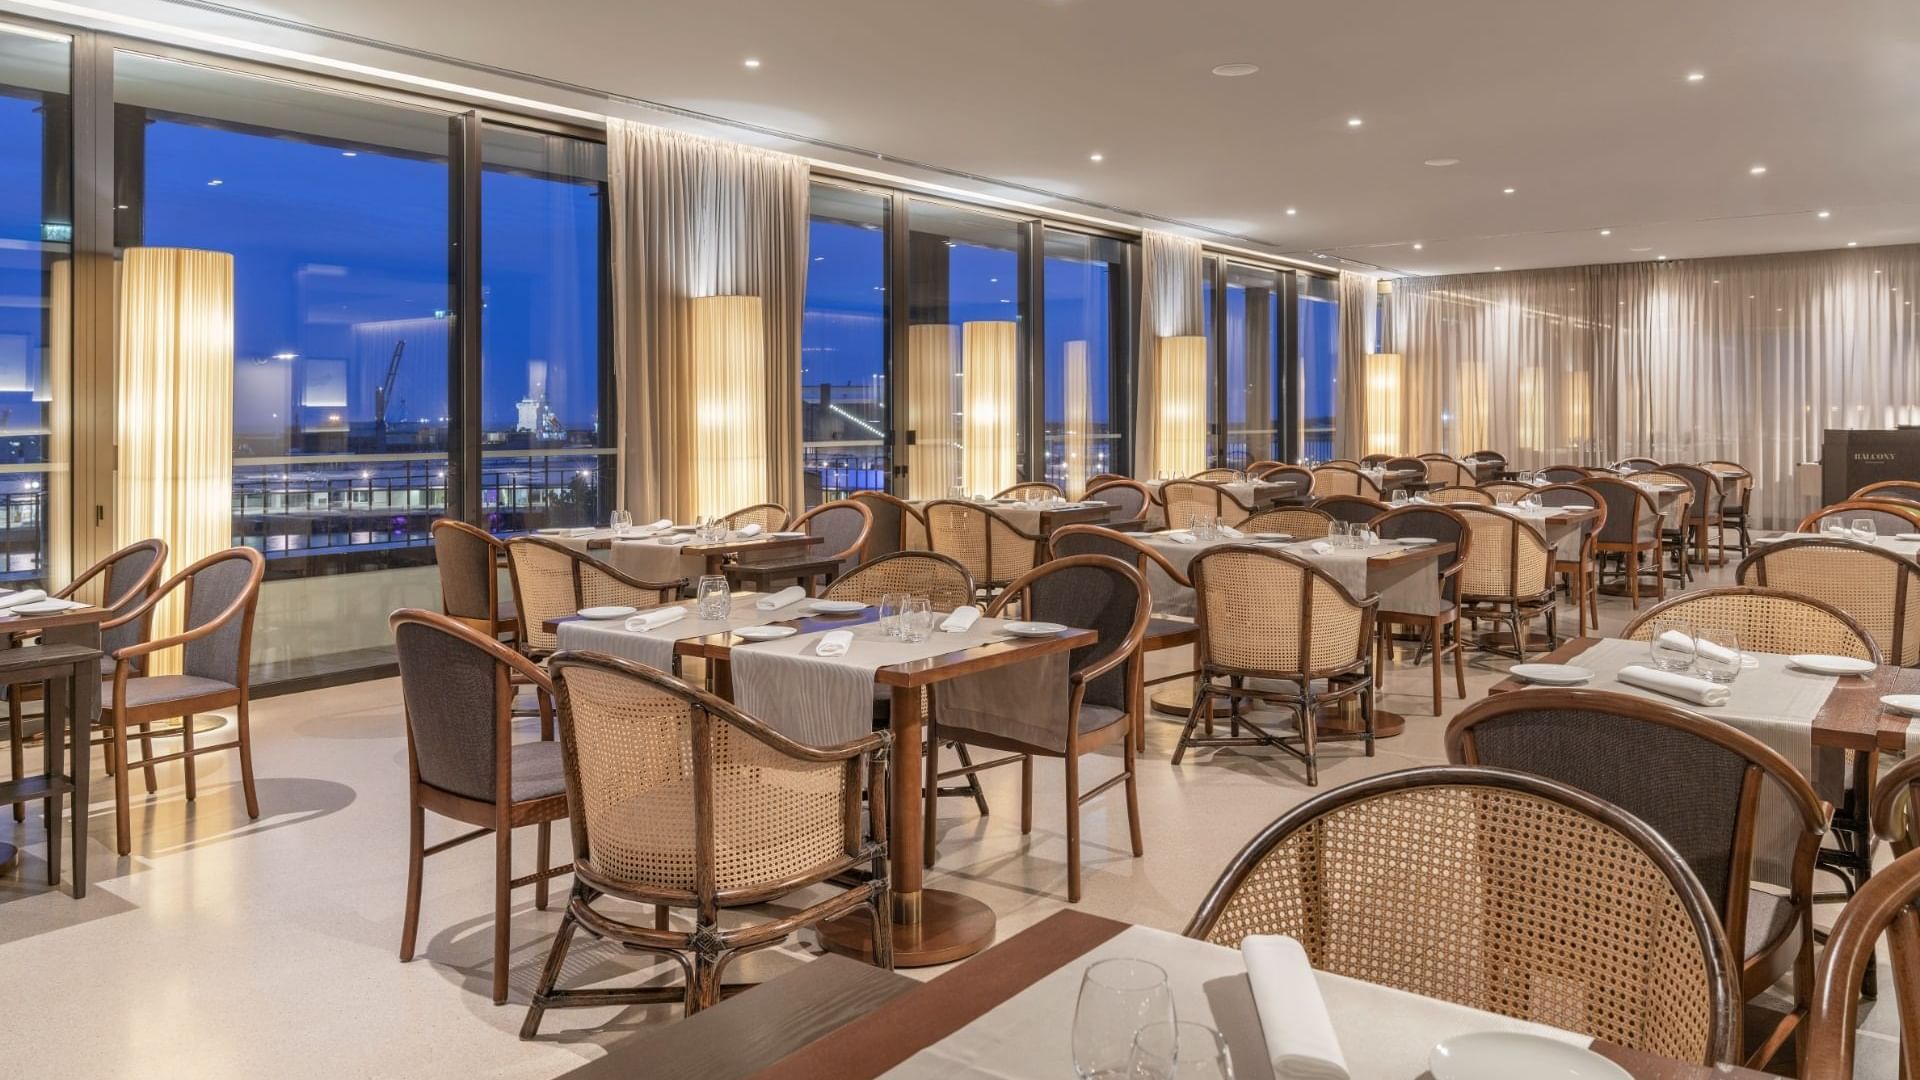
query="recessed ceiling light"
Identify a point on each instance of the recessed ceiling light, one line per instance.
(1716, 281)
(1757, 170)
(1606, 232)
(1234, 71)
(1096, 156)
(1443, 162)
(1291, 211)
(751, 62)
(1499, 268)
(1419, 247)
(1662, 258)
(1696, 76)
(1506, 191)
(1825, 213)
(1850, 243)
(1353, 121)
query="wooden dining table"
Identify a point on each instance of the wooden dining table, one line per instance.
(827, 1021)
(68, 650)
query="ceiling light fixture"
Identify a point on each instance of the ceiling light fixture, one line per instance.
(1419, 247)
(1096, 156)
(1606, 232)
(1353, 121)
(1696, 76)
(1443, 162)
(1234, 71)
(1291, 211)
(1850, 243)
(751, 62)
(1757, 170)
(1506, 191)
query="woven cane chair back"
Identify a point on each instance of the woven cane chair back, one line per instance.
(1271, 614)
(940, 578)
(1874, 586)
(1304, 522)
(1509, 559)
(1765, 620)
(1468, 496)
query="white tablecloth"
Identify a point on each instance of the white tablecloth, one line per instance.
(1905, 548)
(1385, 1034)
(1409, 586)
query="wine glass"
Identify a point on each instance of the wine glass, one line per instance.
(1118, 998)
(1834, 528)
(1864, 530)
(1672, 647)
(1181, 1050)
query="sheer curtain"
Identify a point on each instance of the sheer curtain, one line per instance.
(1748, 359)
(1359, 305)
(694, 217)
(1170, 306)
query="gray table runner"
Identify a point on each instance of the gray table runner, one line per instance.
(654, 648)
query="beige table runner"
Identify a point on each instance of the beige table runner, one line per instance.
(651, 560)
(1410, 586)
(824, 700)
(577, 539)
(654, 648)
(1563, 535)
(1030, 1035)
(1171, 598)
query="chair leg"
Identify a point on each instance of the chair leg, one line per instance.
(973, 779)
(704, 992)
(1073, 826)
(546, 715)
(1309, 728)
(543, 849)
(416, 865)
(186, 747)
(146, 753)
(16, 729)
(1193, 719)
(246, 758)
(122, 819)
(502, 907)
(549, 975)
(1459, 663)
(1128, 760)
(1026, 794)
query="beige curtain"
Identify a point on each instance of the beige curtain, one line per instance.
(1748, 359)
(1170, 306)
(695, 217)
(1358, 300)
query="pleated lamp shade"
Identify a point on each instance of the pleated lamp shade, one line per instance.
(1383, 403)
(1182, 449)
(933, 402)
(989, 420)
(175, 468)
(729, 397)
(1077, 394)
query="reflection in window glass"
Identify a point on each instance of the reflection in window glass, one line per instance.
(36, 232)
(843, 345)
(1086, 311)
(1253, 378)
(963, 364)
(547, 456)
(1319, 363)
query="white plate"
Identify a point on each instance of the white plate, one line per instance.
(787, 535)
(1551, 674)
(615, 612)
(764, 633)
(682, 528)
(41, 607)
(1033, 629)
(1831, 665)
(1576, 506)
(1415, 541)
(1269, 538)
(1903, 703)
(1510, 1055)
(1909, 537)
(838, 607)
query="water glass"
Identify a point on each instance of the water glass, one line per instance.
(917, 619)
(1118, 998)
(1835, 529)
(715, 597)
(1202, 525)
(1864, 530)
(622, 520)
(892, 606)
(1179, 1051)
(1672, 647)
(1717, 654)
(1398, 499)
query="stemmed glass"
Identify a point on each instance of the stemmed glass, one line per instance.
(1864, 530)
(1835, 529)
(1182, 1050)
(1118, 998)
(1672, 647)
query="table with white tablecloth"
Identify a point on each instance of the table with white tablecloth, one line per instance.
(655, 648)
(1258, 494)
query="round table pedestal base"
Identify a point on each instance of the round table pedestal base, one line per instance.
(1386, 724)
(1173, 698)
(951, 927)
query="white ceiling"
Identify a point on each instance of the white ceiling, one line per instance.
(1583, 109)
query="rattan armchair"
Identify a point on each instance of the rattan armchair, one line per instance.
(1344, 480)
(844, 527)
(1506, 492)
(1675, 532)
(1130, 499)
(1889, 516)
(1768, 620)
(217, 599)
(469, 560)
(553, 581)
(1219, 476)
(1705, 511)
(1889, 905)
(1896, 490)
(1565, 474)
(1576, 555)
(994, 550)
(1896, 813)
(1406, 465)
(1581, 738)
(1186, 499)
(771, 517)
(1440, 627)
(1443, 471)
(1257, 469)
(1100, 478)
(1302, 522)
(457, 686)
(1639, 464)
(1486, 464)
(1462, 496)
(1091, 708)
(1350, 509)
(1031, 489)
(1633, 530)
(1508, 577)
(897, 526)
(1736, 484)
(1873, 585)
(1277, 630)
(1290, 474)
(1374, 461)
(680, 800)
(1500, 891)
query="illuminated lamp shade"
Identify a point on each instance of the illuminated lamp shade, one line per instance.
(1383, 403)
(729, 379)
(989, 354)
(1077, 447)
(175, 430)
(933, 400)
(1182, 377)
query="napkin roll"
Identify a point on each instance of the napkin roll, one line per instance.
(834, 643)
(961, 620)
(1230, 532)
(663, 523)
(657, 618)
(1719, 654)
(1293, 1016)
(1321, 547)
(675, 539)
(1181, 536)
(750, 530)
(24, 596)
(1675, 685)
(792, 594)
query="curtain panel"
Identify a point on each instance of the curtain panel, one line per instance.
(1747, 359)
(1359, 299)
(1170, 306)
(695, 217)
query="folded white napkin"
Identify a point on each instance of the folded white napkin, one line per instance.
(576, 531)
(834, 643)
(1230, 532)
(675, 539)
(663, 523)
(1719, 654)
(1675, 685)
(961, 620)
(1293, 1017)
(655, 619)
(1422, 500)
(792, 594)
(750, 530)
(1321, 547)
(1180, 536)
(24, 596)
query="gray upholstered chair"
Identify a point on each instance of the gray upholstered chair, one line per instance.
(1350, 509)
(1694, 780)
(1574, 554)
(1064, 705)
(218, 595)
(843, 527)
(469, 560)
(1129, 499)
(1563, 474)
(1639, 465)
(462, 762)
(897, 526)
(1632, 531)
(1890, 517)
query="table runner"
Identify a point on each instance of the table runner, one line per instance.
(654, 648)
(1409, 586)
(1566, 546)
(1170, 597)
(1773, 702)
(577, 539)
(1030, 1035)
(826, 700)
(1907, 548)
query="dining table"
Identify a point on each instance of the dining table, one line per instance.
(61, 649)
(1009, 1014)
(1041, 519)
(638, 553)
(1256, 494)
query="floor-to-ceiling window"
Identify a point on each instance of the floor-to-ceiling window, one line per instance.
(546, 448)
(843, 344)
(36, 233)
(1255, 377)
(964, 351)
(1319, 310)
(1084, 281)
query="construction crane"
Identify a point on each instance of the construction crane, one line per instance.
(383, 396)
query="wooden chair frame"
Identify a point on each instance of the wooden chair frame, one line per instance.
(1632, 548)
(1513, 607)
(771, 511)
(1899, 508)
(991, 525)
(1753, 571)
(1027, 488)
(807, 570)
(1583, 573)
(1227, 508)
(1884, 905)
(494, 624)
(1434, 629)
(582, 564)
(1145, 493)
(909, 517)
